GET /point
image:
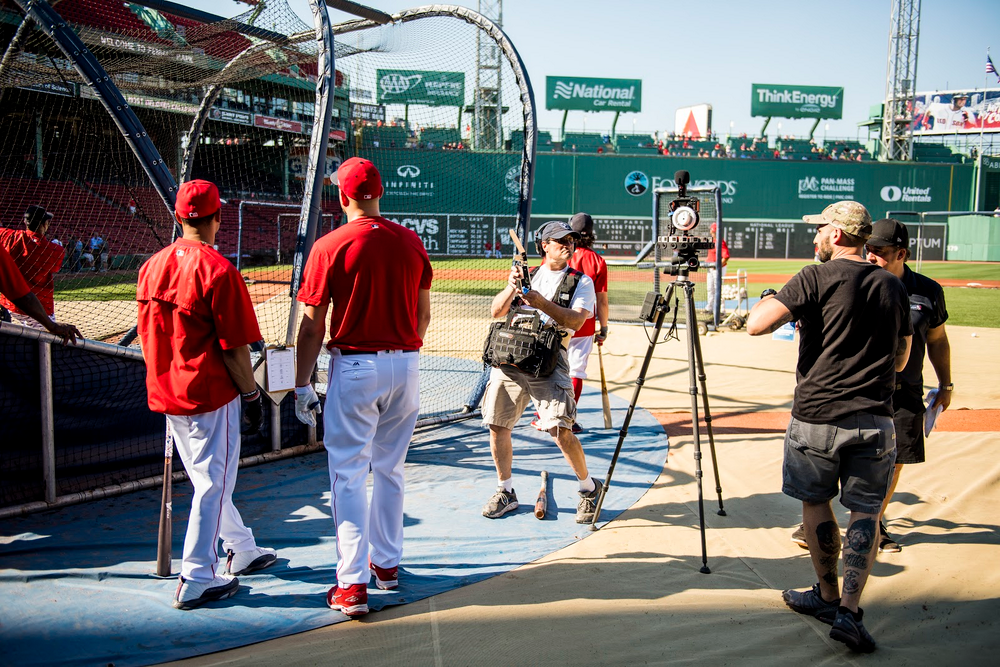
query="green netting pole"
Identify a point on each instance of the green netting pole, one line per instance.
(812, 131)
(562, 130)
(614, 126)
(764, 129)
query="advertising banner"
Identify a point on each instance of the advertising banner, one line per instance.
(436, 89)
(272, 123)
(693, 121)
(231, 116)
(588, 94)
(956, 112)
(781, 101)
(371, 113)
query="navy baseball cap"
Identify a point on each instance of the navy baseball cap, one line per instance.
(582, 223)
(36, 215)
(555, 229)
(889, 232)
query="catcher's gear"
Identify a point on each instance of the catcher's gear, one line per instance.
(307, 405)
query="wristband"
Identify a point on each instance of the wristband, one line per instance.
(768, 292)
(250, 395)
(947, 387)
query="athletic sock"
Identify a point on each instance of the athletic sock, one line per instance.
(577, 388)
(506, 484)
(587, 485)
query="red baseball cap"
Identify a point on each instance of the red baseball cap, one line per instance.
(197, 199)
(359, 179)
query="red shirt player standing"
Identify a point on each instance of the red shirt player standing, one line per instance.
(711, 284)
(196, 322)
(14, 289)
(593, 265)
(374, 277)
(36, 257)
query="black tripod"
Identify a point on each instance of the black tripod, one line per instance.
(658, 306)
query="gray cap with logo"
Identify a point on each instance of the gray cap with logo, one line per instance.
(848, 216)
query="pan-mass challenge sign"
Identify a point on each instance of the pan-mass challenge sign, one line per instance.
(589, 94)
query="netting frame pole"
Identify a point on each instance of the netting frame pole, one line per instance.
(48, 419)
(95, 76)
(319, 142)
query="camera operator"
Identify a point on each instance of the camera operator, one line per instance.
(509, 389)
(841, 432)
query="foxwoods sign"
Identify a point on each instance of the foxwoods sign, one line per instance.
(796, 101)
(588, 94)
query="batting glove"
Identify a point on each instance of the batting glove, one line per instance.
(307, 405)
(253, 413)
(601, 335)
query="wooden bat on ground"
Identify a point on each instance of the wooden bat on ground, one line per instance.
(604, 390)
(163, 548)
(542, 502)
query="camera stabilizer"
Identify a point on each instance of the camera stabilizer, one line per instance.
(654, 310)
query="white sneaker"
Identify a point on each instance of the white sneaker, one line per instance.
(191, 594)
(245, 562)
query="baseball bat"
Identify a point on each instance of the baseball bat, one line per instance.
(542, 502)
(163, 547)
(604, 390)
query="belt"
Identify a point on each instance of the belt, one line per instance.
(347, 353)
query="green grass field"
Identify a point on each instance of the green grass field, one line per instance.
(979, 307)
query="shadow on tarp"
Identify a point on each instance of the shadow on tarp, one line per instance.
(79, 587)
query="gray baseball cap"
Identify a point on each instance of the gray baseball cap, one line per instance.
(848, 216)
(555, 229)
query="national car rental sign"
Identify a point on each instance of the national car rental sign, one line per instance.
(579, 93)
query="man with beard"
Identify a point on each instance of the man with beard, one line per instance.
(841, 435)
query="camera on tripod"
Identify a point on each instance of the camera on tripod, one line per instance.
(682, 229)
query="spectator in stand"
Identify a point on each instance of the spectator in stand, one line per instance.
(37, 259)
(76, 252)
(96, 248)
(15, 290)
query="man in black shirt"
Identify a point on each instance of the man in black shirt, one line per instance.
(889, 247)
(841, 435)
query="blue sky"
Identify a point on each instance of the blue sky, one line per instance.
(712, 51)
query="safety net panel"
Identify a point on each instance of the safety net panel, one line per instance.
(434, 102)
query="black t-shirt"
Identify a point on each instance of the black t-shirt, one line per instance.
(851, 315)
(927, 311)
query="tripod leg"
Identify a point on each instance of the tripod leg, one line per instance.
(708, 421)
(639, 381)
(692, 329)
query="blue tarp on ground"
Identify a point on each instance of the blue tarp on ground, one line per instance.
(77, 583)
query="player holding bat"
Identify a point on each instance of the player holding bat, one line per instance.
(196, 322)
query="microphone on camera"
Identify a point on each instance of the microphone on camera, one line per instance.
(682, 178)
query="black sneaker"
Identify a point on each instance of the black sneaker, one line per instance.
(588, 504)
(811, 603)
(799, 536)
(886, 544)
(577, 429)
(847, 628)
(501, 503)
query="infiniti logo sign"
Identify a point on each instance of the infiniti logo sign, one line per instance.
(408, 171)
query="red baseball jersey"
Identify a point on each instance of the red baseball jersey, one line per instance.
(37, 258)
(710, 255)
(593, 265)
(12, 283)
(370, 270)
(193, 304)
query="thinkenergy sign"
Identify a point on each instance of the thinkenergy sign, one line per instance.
(767, 99)
(588, 94)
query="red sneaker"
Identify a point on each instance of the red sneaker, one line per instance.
(385, 577)
(352, 601)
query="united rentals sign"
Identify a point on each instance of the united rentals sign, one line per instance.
(438, 89)
(588, 94)
(796, 101)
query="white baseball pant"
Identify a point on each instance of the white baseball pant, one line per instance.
(209, 447)
(710, 279)
(371, 408)
(578, 353)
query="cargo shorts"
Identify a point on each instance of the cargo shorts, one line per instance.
(509, 391)
(855, 454)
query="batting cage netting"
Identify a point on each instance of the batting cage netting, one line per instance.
(437, 100)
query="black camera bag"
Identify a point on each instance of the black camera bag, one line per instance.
(522, 342)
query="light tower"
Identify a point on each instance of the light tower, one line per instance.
(487, 128)
(900, 80)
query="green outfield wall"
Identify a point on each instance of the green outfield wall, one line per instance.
(762, 201)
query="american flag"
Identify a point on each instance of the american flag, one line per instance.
(990, 69)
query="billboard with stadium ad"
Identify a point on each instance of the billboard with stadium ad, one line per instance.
(782, 101)
(578, 93)
(436, 89)
(693, 121)
(956, 112)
